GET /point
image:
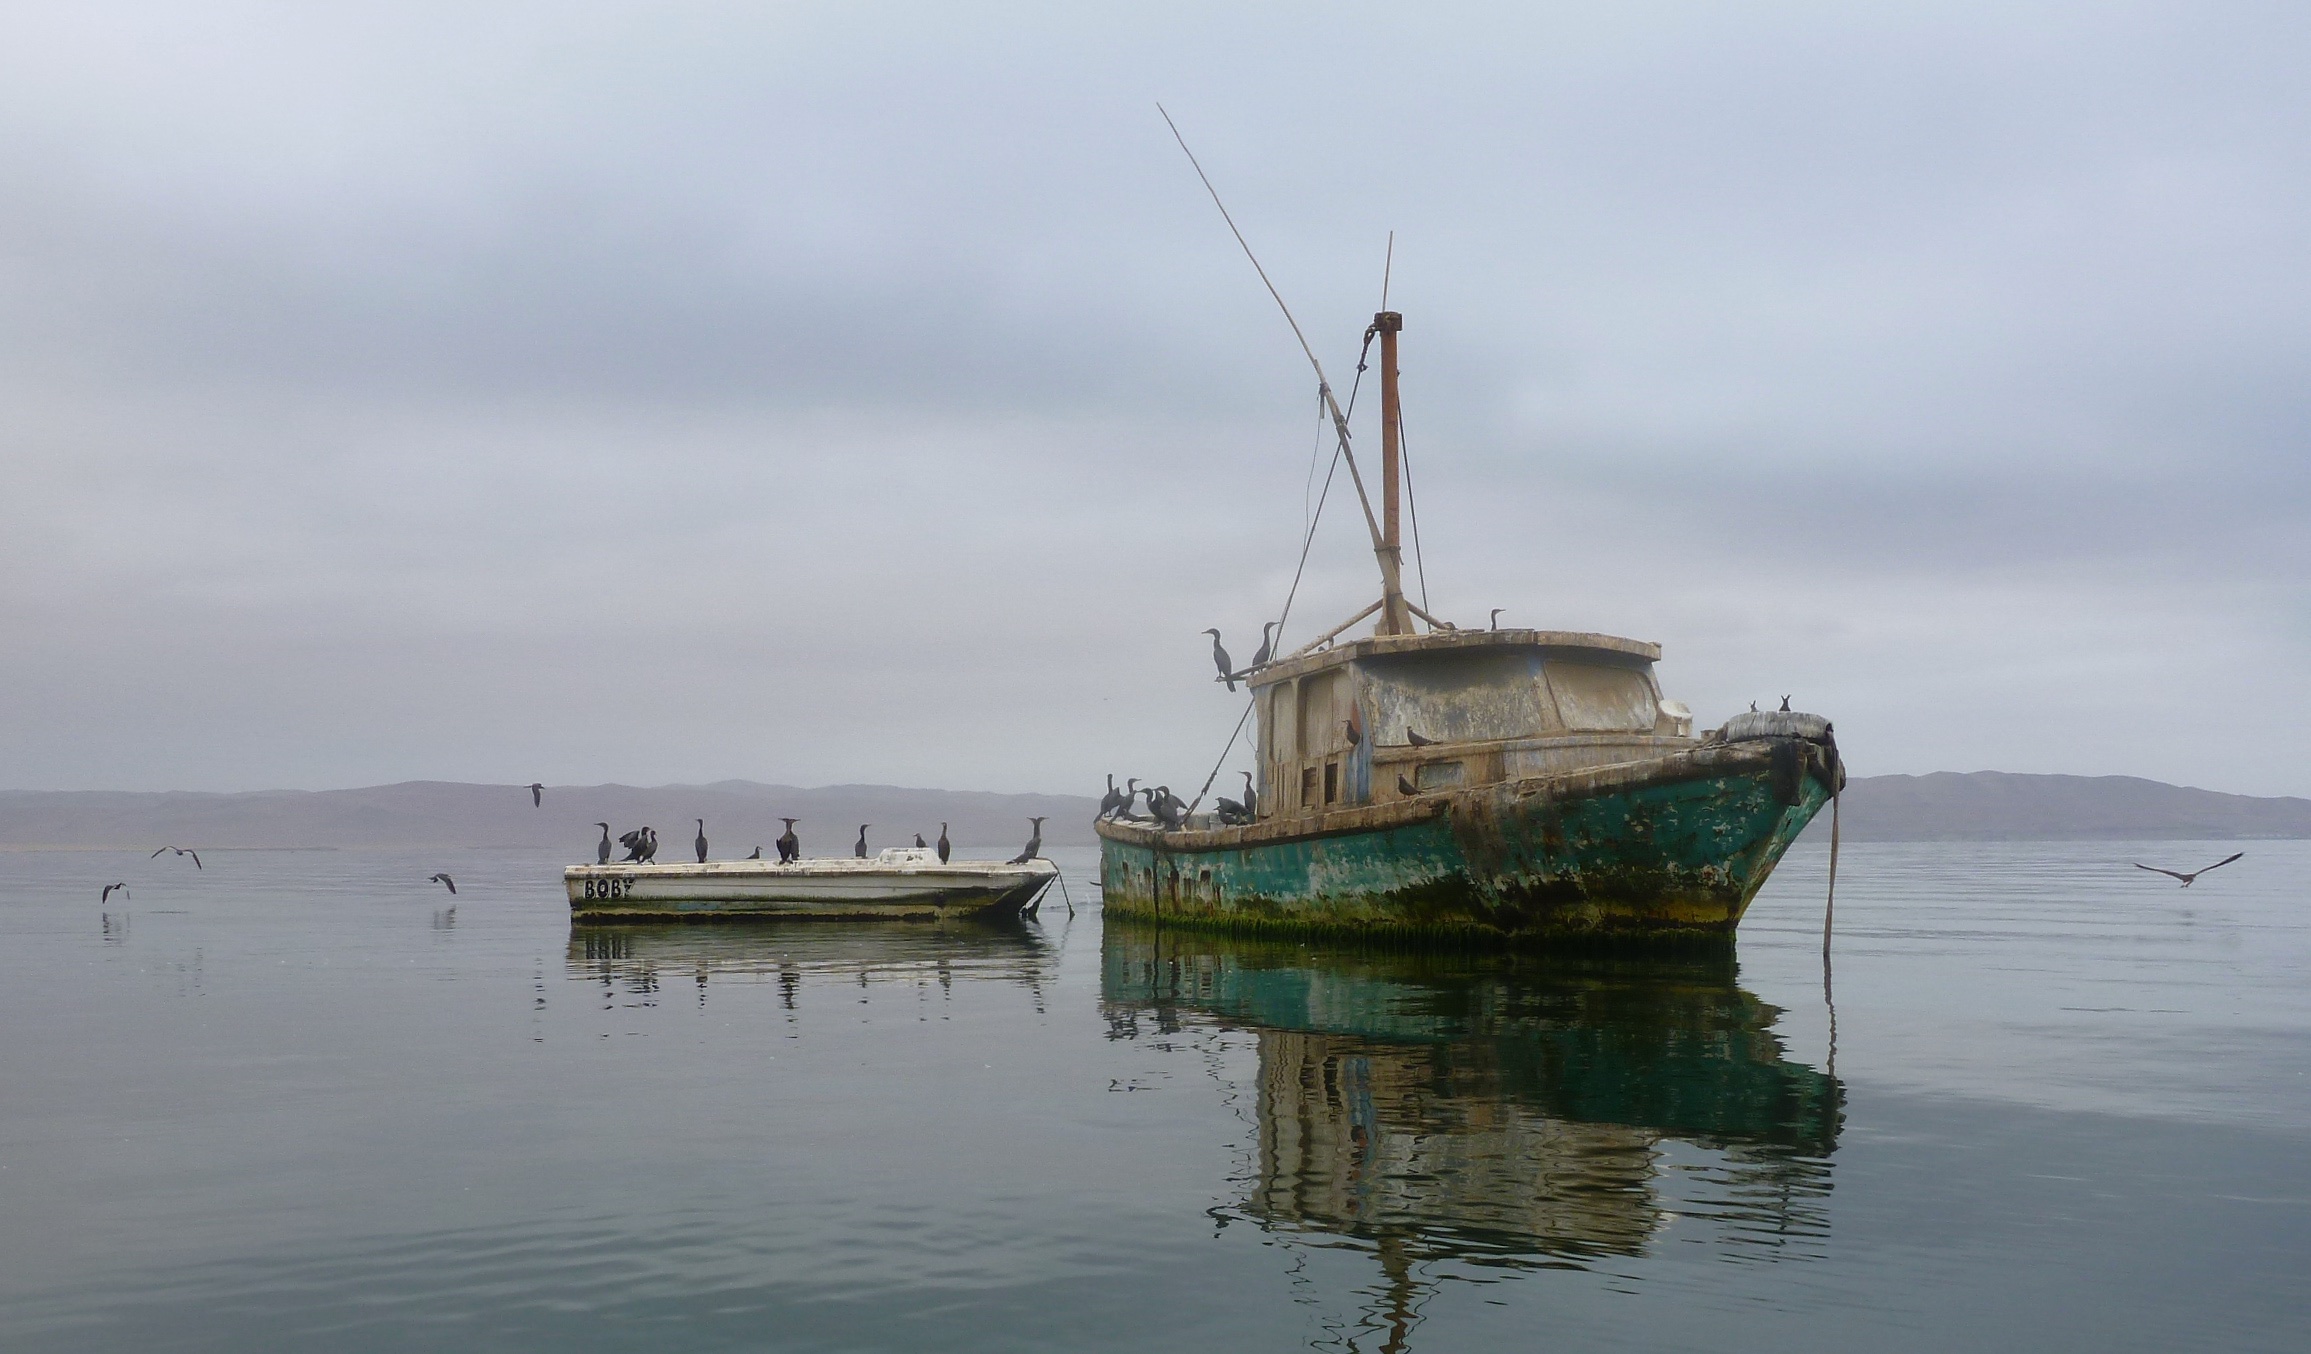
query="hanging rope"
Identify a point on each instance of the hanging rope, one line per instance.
(1223, 761)
(1412, 504)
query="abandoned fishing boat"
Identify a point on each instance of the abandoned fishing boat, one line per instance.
(900, 882)
(1483, 784)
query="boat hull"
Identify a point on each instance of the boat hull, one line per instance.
(834, 889)
(1665, 850)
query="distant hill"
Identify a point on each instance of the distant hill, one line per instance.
(1945, 806)
(2000, 806)
(740, 815)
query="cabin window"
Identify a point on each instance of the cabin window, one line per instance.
(1439, 775)
(1323, 712)
(1595, 698)
(1331, 781)
(1308, 787)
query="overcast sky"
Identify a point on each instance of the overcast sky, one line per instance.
(667, 392)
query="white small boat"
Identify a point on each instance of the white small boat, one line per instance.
(901, 881)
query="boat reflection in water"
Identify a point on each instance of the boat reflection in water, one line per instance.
(1494, 1110)
(639, 961)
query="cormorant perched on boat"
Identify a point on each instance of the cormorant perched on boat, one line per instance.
(1267, 646)
(919, 842)
(1034, 843)
(649, 845)
(1497, 616)
(701, 842)
(757, 854)
(106, 896)
(860, 850)
(1405, 787)
(789, 845)
(602, 852)
(1230, 812)
(1415, 739)
(1251, 797)
(2186, 878)
(537, 794)
(1220, 660)
(1130, 794)
(1166, 806)
(444, 880)
(633, 842)
(943, 847)
(1753, 707)
(1112, 800)
(1785, 705)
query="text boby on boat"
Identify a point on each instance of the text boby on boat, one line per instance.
(899, 882)
(1503, 784)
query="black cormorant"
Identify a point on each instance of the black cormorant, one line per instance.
(1251, 797)
(943, 847)
(1220, 660)
(789, 845)
(919, 842)
(1112, 800)
(757, 854)
(1267, 643)
(602, 852)
(701, 842)
(1034, 843)
(860, 850)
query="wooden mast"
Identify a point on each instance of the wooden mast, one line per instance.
(1395, 618)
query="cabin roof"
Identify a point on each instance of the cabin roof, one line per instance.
(1370, 646)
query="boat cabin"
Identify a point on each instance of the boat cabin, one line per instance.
(1337, 727)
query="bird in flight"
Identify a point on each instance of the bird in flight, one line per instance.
(537, 794)
(444, 880)
(182, 851)
(106, 896)
(2187, 878)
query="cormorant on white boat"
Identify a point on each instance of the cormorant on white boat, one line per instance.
(757, 854)
(1111, 801)
(789, 845)
(1251, 797)
(943, 847)
(602, 852)
(1034, 843)
(860, 850)
(701, 842)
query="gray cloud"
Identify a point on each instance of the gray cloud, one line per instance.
(836, 393)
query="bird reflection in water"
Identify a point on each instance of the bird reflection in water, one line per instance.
(1465, 1114)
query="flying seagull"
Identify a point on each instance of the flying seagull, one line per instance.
(182, 851)
(537, 793)
(2187, 878)
(444, 880)
(106, 896)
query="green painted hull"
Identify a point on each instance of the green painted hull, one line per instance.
(1665, 852)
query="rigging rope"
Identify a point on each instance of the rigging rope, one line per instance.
(1412, 505)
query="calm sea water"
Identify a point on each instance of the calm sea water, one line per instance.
(297, 1100)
